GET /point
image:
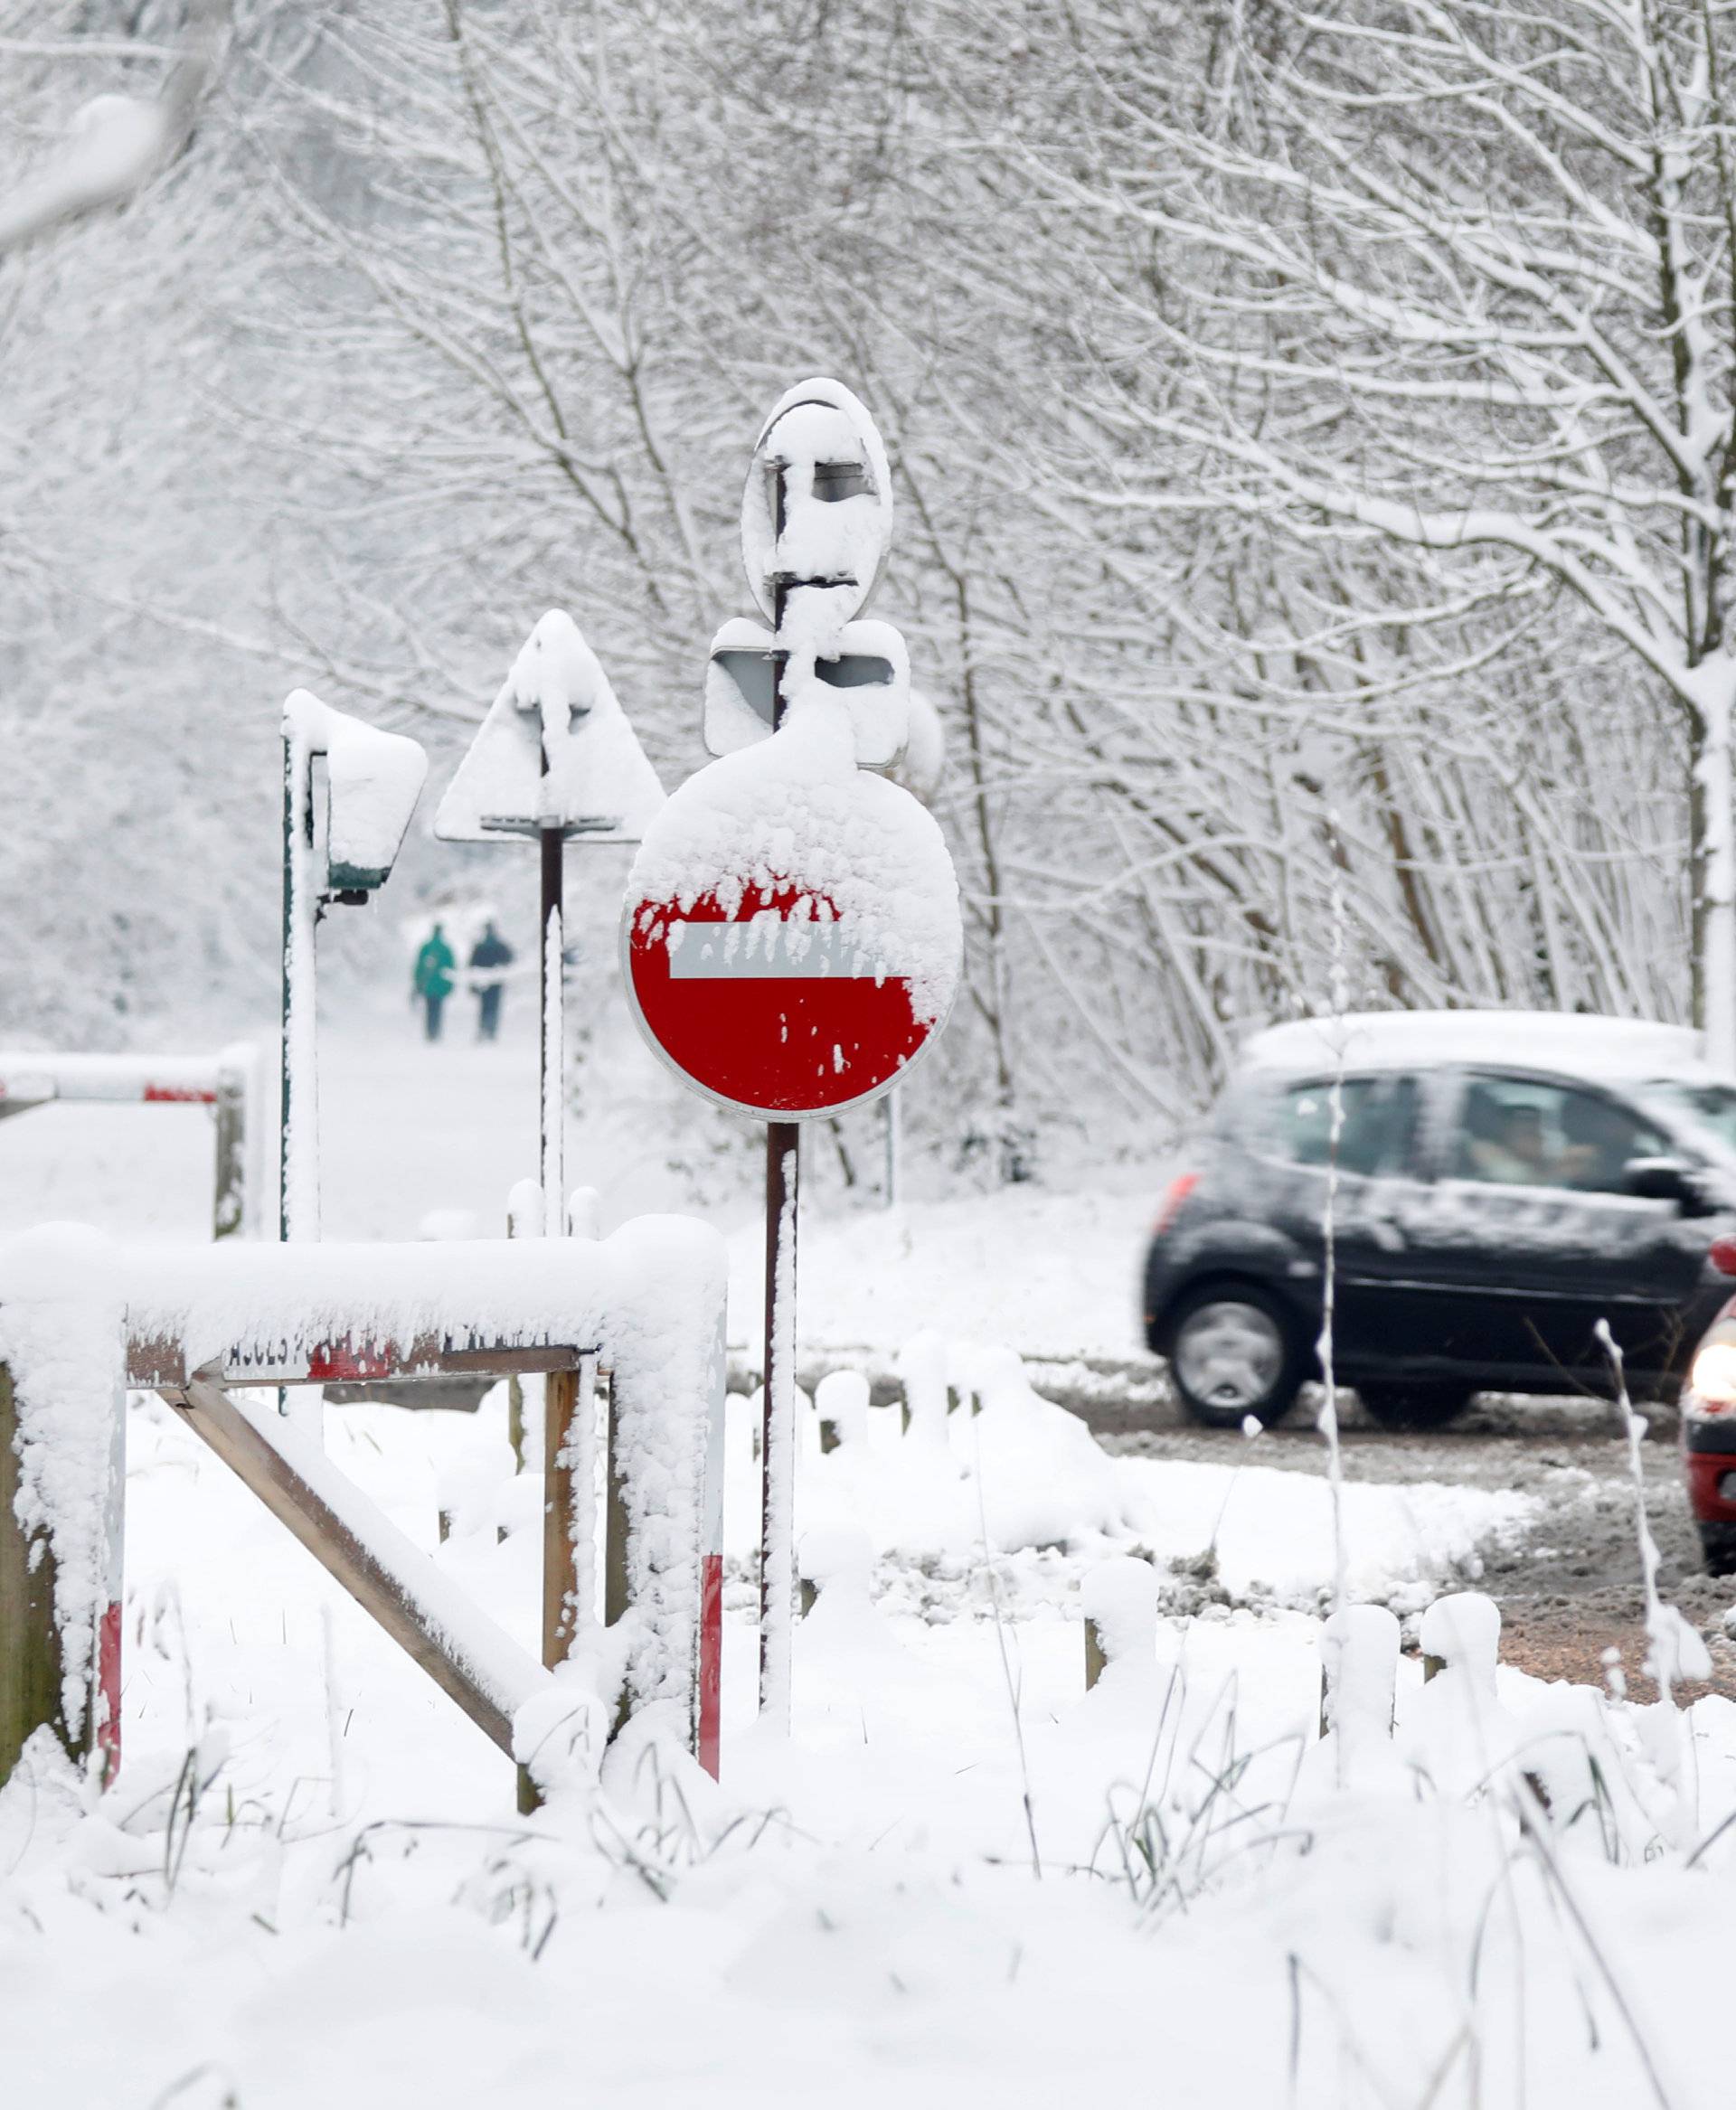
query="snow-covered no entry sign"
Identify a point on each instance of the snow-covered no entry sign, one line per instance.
(791, 937)
(792, 934)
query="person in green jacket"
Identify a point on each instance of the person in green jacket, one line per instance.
(433, 983)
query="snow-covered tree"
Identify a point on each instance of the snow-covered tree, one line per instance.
(455, 310)
(1458, 283)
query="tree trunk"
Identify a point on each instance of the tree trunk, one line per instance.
(1011, 1144)
(1713, 875)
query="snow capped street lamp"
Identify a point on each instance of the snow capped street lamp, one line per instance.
(372, 781)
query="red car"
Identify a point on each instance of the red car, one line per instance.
(1709, 1428)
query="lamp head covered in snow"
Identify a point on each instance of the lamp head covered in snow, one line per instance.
(816, 523)
(373, 782)
(792, 936)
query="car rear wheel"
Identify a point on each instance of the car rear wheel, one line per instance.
(1397, 1405)
(1718, 1546)
(1233, 1351)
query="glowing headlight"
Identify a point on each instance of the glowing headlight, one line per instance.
(1714, 1375)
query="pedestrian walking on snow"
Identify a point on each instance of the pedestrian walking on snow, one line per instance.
(433, 980)
(490, 958)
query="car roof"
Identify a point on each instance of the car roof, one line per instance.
(1574, 1043)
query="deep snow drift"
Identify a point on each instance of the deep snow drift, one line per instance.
(964, 1879)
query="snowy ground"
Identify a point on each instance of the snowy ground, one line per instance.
(963, 1881)
(349, 1911)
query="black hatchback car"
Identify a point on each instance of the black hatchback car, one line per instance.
(1489, 1185)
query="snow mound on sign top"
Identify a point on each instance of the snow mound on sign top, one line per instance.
(556, 705)
(795, 813)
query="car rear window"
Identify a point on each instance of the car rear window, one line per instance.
(1375, 1133)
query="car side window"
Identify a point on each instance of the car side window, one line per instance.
(1375, 1137)
(1524, 1132)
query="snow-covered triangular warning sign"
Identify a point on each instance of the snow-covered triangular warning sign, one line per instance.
(556, 703)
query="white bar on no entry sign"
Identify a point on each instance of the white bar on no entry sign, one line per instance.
(767, 950)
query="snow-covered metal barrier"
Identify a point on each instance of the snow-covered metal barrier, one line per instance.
(81, 1319)
(227, 1081)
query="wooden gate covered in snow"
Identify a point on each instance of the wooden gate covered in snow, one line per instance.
(636, 1320)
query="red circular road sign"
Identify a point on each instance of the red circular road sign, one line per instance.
(770, 1006)
(791, 933)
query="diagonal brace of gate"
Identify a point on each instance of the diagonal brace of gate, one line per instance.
(471, 1659)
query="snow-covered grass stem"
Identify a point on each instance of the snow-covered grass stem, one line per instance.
(1673, 1650)
(1009, 1681)
(1327, 1418)
(1534, 1830)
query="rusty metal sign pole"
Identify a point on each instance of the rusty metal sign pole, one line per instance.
(552, 936)
(777, 1411)
(778, 1429)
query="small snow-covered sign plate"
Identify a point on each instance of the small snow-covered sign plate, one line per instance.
(791, 937)
(872, 668)
(816, 512)
(555, 703)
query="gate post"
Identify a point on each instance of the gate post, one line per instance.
(663, 1547)
(230, 1204)
(30, 1651)
(569, 1527)
(659, 1525)
(59, 1617)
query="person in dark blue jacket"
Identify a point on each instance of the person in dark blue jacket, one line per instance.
(490, 958)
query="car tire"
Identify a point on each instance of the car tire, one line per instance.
(1718, 1548)
(1396, 1404)
(1235, 1351)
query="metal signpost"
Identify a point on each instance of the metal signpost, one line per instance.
(747, 976)
(555, 761)
(374, 780)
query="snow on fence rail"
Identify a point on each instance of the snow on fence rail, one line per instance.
(81, 1319)
(227, 1081)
